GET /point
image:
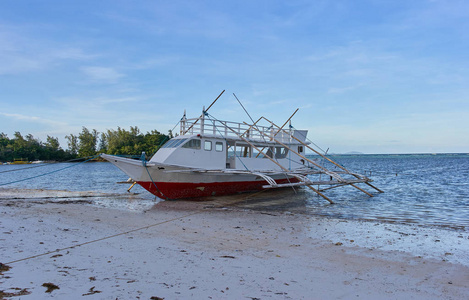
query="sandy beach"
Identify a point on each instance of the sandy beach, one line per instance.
(199, 250)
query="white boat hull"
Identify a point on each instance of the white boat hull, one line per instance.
(176, 182)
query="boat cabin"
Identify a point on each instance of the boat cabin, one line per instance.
(230, 145)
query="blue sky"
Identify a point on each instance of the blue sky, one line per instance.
(369, 76)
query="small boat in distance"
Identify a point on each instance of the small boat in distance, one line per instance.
(20, 161)
(211, 157)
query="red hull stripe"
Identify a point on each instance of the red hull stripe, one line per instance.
(180, 190)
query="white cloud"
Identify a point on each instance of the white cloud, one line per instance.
(15, 64)
(33, 119)
(342, 90)
(162, 60)
(118, 100)
(73, 53)
(13, 57)
(102, 74)
(22, 51)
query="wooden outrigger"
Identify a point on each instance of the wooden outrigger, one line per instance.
(303, 180)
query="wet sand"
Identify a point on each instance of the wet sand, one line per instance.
(187, 250)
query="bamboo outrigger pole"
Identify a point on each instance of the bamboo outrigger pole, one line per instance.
(250, 126)
(325, 157)
(201, 116)
(339, 179)
(285, 122)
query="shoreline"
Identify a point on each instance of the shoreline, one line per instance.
(192, 250)
(102, 199)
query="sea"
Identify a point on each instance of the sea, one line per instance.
(421, 189)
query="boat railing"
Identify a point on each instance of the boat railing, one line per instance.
(228, 129)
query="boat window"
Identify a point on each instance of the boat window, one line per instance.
(192, 144)
(179, 142)
(208, 145)
(231, 149)
(264, 152)
(169, 144)
(300, 149)
(219, 146)
(174, 143)
(281, 152)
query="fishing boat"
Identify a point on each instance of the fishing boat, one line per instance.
(20, 161)
(211, 157)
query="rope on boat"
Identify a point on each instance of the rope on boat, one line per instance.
(144, 163)
(51, 172)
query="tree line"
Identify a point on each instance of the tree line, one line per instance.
(86, 143)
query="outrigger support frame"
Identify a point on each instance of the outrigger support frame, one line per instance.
(282, 167)
(365, 179)
(269, 134)
(302, 179)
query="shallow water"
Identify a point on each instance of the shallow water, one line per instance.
(423, 189)
(418, 189)
(66, 180)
